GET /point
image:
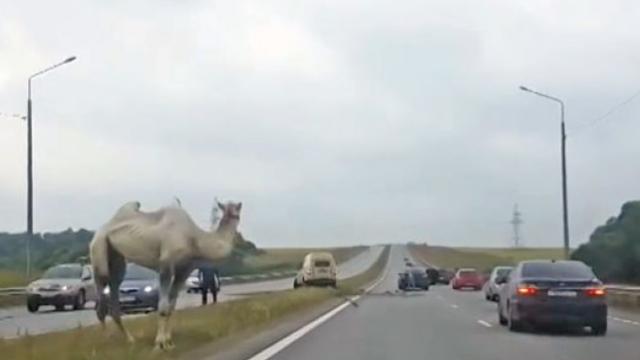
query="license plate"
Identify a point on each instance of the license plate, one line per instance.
(127, 299)
(563, 293)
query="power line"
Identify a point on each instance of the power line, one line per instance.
(606, 114)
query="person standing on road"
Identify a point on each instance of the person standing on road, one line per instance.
(209, 281)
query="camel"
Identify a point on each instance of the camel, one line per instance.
(166, 240)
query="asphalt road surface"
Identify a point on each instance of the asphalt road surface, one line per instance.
(15, 321)
(450, 325)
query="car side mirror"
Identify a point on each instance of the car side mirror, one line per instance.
(501, 280)
(86, 278)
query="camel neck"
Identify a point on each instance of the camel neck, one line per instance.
(216, 244)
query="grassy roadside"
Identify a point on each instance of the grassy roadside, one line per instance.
(192, 327)
(11, 279)
(481, 259)
(282, 259)
(277, 259)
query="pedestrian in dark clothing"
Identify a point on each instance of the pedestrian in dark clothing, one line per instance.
(209, 281)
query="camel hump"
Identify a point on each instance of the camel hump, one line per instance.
(131, 206)
(126, 210)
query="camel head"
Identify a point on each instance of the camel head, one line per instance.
(219, 243)
(230, 215)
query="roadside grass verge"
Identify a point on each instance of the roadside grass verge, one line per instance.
(282, 259)
(483, 259)
(193, 327)
(519, 254)
(11, 279)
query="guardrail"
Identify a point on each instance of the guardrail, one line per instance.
(623, 295)
(17, 291)
(14, 291)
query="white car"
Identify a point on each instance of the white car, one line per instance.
(193, 282)
(491, 288)
(319, 269)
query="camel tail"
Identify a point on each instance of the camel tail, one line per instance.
(99, 255)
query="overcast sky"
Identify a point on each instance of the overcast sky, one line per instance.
(335, 122)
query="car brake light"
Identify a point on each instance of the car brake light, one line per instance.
(527, 290)
(596, 291)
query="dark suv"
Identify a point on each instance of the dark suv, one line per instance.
(552, 292)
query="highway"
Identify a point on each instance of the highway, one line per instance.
(16, 321)
(449, 325)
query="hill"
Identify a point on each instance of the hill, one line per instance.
(613, 250)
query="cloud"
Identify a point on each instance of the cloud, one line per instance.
(336, 123)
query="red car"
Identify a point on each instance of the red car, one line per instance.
(467, 278)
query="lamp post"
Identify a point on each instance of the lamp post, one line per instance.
(30, 162)
(563, 137)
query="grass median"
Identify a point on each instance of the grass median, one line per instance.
(192, 327)
(483, 259)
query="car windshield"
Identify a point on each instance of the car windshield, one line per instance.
(557, 270)
(63, 272)
(503, 272)
(136, 272)
(322, 263)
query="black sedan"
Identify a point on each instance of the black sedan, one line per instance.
(549, 292)
(413, 279)
(139, 289)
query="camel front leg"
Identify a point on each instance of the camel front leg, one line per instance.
(164, 309)
(179, 279)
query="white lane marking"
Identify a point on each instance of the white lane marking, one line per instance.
(484, 323)
(280, 345)
(624, 320)
(454, 306)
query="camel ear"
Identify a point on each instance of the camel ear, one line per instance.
(239, 206)
(221, 205)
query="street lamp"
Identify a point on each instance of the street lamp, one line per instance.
(30, 162)
(565, 210)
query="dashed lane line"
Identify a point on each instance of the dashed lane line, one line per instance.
(625, 321)
(484, 323)
(454, 306)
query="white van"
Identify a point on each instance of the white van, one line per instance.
(318, 268)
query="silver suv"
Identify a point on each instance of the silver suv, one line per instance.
(61, 285)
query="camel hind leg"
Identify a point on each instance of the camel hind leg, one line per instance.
(117, 270)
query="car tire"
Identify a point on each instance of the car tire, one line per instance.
(487, 297)
(60, 307)
(32, 306)
(512, 324)
(295, 284)
(80, 301)
(599, 329)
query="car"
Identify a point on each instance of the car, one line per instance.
(433, 275)
(62, 285)
(139, 289)
(552, 292)
(318, 269)
(445, 276)
(491, 288)
(419, 276)
(467, 278)
(193, 282)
